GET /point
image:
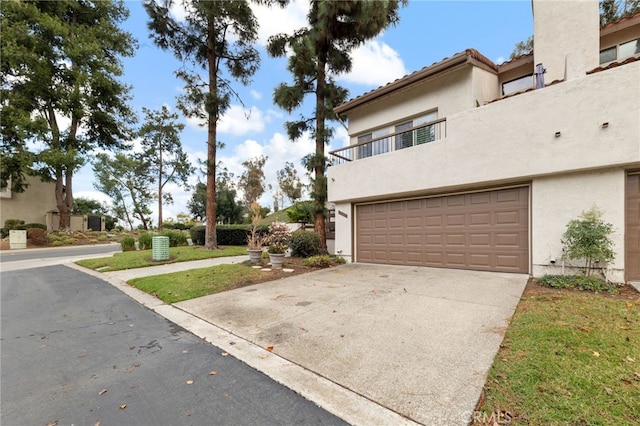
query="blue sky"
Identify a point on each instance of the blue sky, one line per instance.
(428, 32)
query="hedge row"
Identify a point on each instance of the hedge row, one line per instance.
(228, 235)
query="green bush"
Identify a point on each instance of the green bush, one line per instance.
(228, 235)
(13, 223)
(32, 226)
(198, 234)
(304, 243)
(176, 238)
(167, 225)
(581, 282)
(128, 243)
(588, 238)
(144, 240)
(322, 261)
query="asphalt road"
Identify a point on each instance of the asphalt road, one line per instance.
(77, 351)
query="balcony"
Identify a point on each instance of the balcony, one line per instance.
(418, 135)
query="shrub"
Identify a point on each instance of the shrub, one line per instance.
(32, 225)
(322, 261)
(305, 243)
(581, 282)
(176, 238)
(588, 238)
(128, 243)
(13, 223)
(145, 239)
(37, 236)
(167, 225)
(198, 234)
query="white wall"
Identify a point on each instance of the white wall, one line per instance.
(509, 140)
(558, 199)
(344, 231)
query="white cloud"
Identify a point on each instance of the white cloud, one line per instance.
(374, 64)
(239, 121)
(256, 95)
(499, 61)
(275, 20)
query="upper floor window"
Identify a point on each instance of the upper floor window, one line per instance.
(517, 85)
(620, 52)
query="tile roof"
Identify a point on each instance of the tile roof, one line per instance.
(614, 64)
(468, 56)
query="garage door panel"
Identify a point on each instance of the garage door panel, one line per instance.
(632, 228)
(486, 231)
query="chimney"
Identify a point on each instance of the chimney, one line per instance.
(566, 37)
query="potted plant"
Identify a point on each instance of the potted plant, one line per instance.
(255, 238)
(278, 240)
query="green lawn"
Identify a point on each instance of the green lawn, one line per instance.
(143, 258)
(179, 286)
(568, 359)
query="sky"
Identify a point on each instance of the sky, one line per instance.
(428, 32)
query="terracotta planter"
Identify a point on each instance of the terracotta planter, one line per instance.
(277, 260)
(255, 255)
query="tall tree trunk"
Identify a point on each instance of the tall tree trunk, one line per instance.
(160, 187)
(211, 239)
(319, 183)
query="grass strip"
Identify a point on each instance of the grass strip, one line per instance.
(179, 286)
(143, 258)
(567, 359)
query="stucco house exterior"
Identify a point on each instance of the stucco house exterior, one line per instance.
(472, 165)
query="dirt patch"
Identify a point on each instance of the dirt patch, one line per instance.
(533, 288)
(292, 266)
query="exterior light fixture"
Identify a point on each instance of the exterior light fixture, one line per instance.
(557, 135)
(605, 125)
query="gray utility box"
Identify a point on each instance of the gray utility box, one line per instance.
(160, 248)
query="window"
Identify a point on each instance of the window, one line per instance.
(608, 55)
(628, 49)
(365, 150)
(517, 85)
(405, 139)
(622, 51)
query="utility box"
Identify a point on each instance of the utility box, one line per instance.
(159, 249)
(17, 239)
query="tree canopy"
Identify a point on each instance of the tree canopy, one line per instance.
(60, 89)
(315, 53)
(216, 39)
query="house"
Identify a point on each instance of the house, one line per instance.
(37, 204)
(31, 205)
(472, 165)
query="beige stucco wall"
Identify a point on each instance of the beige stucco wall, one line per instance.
(566, 37)
(30, 205)
(510, 140)
(556, 200)
(447, 94)
(344, 218)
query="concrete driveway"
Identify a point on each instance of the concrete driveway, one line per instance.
(417, 341)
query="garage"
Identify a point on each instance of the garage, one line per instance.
(632, 231)
(485, 230)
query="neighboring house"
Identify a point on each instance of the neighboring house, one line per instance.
(466, 164)
(37, 204)
(31, 205)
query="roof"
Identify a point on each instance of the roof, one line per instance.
(622, 23)
(614, 64)
(468, 56)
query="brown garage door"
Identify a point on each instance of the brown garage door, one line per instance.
(632, 232)
(482, 231)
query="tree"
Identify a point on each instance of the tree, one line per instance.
(522, 48)
(614, 10)
(588, 238)
(216, 37)
(59, 84)
(289, 182)
(316, 52)
(228, 211)
(252, 183)
(125, 180)
(163, 151)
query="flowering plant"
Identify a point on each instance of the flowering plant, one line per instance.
(279, 237)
